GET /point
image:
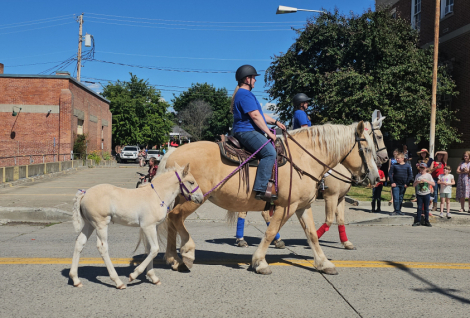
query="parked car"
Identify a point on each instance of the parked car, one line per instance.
(152, 153)
(129, 153)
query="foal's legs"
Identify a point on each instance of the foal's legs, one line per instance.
(342, 229)
(79, 244)
(102, 245)
(277, 221)
(151, 248)
(321, 262)
(188, 247)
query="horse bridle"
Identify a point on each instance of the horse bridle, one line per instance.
(183, 188)
(365, 175)
(374, 137)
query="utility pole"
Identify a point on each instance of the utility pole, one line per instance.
(432, 134)
(79, 54)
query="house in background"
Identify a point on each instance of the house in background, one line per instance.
(41, 115)
(454, 52)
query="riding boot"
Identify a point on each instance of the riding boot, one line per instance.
(378, 206)
(373, 206)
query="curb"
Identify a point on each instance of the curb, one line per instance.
(50, 175)
(408, 220)
(48, 215)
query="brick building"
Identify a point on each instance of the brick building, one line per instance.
(454, 50)
(50, 111)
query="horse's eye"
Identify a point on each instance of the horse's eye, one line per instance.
(379, 137)
(191, 183)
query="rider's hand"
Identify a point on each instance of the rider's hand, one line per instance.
(272, 136)
(394, 185)
(281, 125)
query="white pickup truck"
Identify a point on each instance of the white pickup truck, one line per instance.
(129, 153)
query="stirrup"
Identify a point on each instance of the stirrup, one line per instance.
(323, 186)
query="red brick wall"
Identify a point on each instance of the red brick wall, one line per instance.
(34, 133)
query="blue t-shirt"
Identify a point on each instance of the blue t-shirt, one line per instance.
(300, 119)
(244, 103)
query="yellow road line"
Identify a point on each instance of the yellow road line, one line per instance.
(287, 262)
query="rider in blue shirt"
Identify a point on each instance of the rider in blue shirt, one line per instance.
(301, 119)
(250, 127)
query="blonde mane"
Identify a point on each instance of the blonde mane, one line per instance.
(335, 140)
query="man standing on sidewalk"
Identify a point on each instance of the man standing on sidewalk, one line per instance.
(400, 176)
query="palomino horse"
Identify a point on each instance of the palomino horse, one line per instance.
(337, 188)
(329, 143)
(144, 207)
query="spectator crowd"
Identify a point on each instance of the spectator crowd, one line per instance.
(433, 180)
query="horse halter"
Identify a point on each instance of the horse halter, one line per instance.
(374, 137)
(183, 187)
(365, 175)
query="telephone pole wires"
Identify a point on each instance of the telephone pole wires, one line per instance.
(79, 54)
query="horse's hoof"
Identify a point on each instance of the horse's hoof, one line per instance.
(330, 271)
(183, 268)
(188, 262)
(280, 244)
(264, 271)
(121, 286)
(158, 282)
(350, 247)
(242, 243)
(78, 285)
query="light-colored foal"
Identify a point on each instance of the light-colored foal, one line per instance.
(145, 207)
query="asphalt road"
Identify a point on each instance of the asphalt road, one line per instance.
(396, 271)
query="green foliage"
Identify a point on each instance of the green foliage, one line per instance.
(79, 146)
(139, 115)
(106, 155)
(221, 118)
(352, 65)
(95, 156)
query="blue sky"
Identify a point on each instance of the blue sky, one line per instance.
(195, 41)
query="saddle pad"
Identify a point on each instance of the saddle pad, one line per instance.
(232, 154)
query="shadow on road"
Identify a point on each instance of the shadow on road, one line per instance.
(433, 288)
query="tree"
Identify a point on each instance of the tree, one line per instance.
(352, 65)
(140, 116)
(195, 117)
(219, 102)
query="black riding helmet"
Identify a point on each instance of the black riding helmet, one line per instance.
(300, 98)
(244, 71)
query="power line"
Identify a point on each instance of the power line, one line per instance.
(33, 64)
(20, 57)
(19, 26)
(181, 24)
(237, 22)
(184, 57)
(192, 29)
(50, 26)
(61, 16)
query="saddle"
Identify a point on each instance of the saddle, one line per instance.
(231, 149)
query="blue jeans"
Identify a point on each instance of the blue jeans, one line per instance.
(377, 193)
(436, 186)
(423, 200)
(398, 193)
(252, 141)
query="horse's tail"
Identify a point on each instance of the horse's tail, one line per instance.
(77, 218)
(231, 217)
(162, 165)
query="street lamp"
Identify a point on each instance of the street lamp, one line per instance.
(283, 9)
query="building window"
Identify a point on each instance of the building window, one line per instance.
(80, 127)
(416, 14)
(447, 8)
(393, 12)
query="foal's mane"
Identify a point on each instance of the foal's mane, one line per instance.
(335, 140)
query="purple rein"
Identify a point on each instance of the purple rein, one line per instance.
(183, 187)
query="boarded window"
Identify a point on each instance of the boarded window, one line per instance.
(79, 126)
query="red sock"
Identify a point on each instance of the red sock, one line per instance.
(324, 228)
(342, 233)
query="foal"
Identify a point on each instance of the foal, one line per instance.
(144, 207)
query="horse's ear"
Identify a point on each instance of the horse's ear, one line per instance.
(186, 170)
(360, 128)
